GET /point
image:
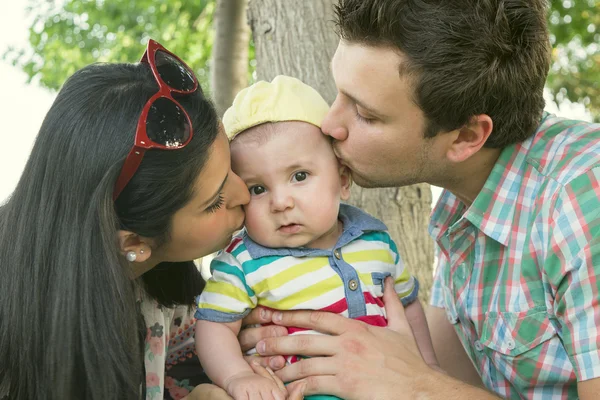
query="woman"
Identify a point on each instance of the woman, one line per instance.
(96, 277)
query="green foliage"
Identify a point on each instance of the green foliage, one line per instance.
(575, 73)
(69, 36)
(75, 33)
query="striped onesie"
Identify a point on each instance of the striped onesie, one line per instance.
(346, 279)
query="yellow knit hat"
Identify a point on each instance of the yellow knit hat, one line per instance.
(283, 99)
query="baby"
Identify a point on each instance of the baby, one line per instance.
(301, 248)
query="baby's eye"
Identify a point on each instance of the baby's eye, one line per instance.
(256, 190)
(300, 176)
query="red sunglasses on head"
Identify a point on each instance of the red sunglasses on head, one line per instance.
(163, 124)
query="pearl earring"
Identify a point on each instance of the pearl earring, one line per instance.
(131, 256)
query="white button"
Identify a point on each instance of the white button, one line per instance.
(337, 254)
(510, 344)
(478, 345)
(452, 319)
(352, 284)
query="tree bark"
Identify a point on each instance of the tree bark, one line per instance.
(297, 38)
(229, 72)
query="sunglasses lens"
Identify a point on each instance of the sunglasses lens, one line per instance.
(173, 72)
(167, 124)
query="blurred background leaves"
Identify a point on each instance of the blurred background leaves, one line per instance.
(66, 35)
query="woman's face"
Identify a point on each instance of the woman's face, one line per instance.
(214, 212)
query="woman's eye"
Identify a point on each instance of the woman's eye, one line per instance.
(217, 204)
(256, 190)
(299, 176)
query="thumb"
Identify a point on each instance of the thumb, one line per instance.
(393, 307)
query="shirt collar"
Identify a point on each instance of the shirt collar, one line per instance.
(355, 221)
(493, 210)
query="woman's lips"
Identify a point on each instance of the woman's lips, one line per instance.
(290, 228)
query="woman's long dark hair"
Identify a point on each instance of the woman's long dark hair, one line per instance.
(69, 323)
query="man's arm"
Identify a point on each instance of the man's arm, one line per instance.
(588, 390)
(567, 240)
(450, 353)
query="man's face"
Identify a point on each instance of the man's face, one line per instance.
(378, 129)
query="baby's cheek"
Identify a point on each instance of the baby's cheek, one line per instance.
(325, 211)
(256, 221)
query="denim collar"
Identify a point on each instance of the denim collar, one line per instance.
(356, 222)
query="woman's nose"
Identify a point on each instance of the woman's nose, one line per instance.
(240, 195)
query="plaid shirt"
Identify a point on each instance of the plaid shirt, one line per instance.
(516, 269)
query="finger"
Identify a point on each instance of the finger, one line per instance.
(260, 370)
(393, 307)
(259, 315)
(273, 362)
(324, 322)
(248, 337)
(304, 345)
(269, 374)
(317, 385)
(296, 390)
(278, 394)
(278, 381)
(267, 394)
(309, 367)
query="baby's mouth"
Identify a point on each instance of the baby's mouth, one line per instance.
(289, 228)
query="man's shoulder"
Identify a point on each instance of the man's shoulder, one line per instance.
(563, 149)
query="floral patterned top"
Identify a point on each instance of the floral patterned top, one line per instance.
(172, 367)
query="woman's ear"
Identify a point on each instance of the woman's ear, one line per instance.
(345, 181)
(132, 243)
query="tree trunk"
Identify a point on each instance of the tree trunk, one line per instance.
(229, 72)
(297, 38)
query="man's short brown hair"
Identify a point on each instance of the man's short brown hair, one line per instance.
(465, 57)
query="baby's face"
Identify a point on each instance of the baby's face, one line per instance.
(295, 183)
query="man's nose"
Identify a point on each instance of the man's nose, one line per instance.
(334, 124)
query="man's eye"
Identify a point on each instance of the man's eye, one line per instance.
(363, 119)
(256, 190)
(299, 176)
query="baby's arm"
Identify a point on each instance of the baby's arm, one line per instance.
(418, 323)
(219, 350)
(407, 288)
(221, 357)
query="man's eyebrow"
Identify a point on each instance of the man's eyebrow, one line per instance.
(214, 196)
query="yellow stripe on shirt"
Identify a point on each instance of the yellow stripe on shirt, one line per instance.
(289, 274)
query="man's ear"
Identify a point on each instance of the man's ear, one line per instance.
(470, 138)
(129, 241)
(345, 181)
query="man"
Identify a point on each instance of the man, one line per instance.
(450, 93)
